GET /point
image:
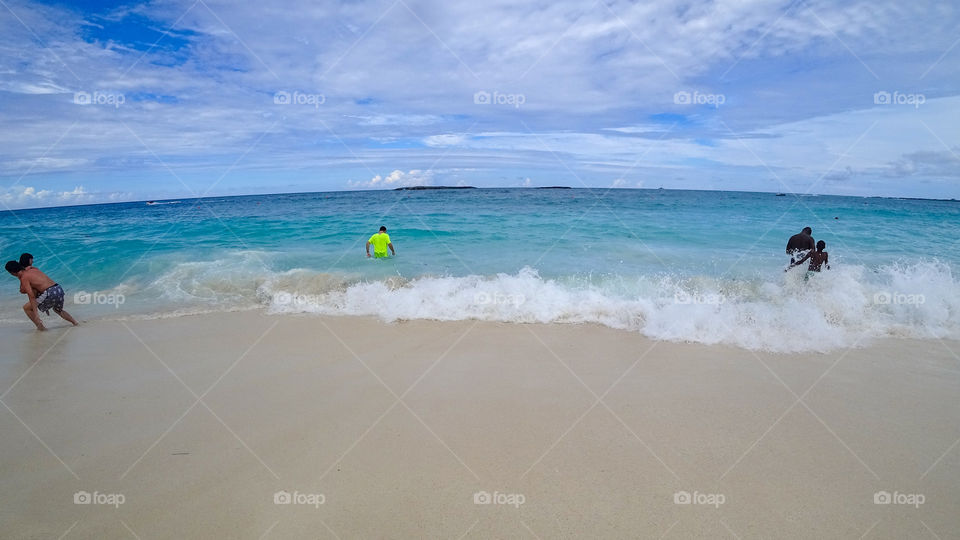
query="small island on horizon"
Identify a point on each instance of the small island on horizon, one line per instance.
(422, 188)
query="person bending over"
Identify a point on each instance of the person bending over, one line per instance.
(42, 293)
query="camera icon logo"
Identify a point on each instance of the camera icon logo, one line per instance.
(682, 98)
(82, 297)
(881, 98)
(81, 98)
(882, 298)
(82, 497)
(882, 497)
(482, 497)
(281, 98)
(282, 497)
(481, 98)
(682, 497)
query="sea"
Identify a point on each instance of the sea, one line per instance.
(694, 266)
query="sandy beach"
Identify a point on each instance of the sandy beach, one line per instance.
(247, 425)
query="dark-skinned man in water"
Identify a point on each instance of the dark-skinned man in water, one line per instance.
(800, 244)
(42, 293)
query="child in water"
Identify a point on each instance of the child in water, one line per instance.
(818, 258)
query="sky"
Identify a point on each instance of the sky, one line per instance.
(103, 102)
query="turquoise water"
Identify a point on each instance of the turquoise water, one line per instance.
(688, 265)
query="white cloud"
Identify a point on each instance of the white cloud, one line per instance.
(623, 183)
(396, 179)
(446, 139)
(397, 119)
(30, 197)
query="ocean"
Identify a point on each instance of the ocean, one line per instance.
(700, 266)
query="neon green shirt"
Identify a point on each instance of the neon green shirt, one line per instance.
(380, 241)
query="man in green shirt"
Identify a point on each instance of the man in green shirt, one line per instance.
(380, 241)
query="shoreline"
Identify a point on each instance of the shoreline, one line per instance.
(309, 406)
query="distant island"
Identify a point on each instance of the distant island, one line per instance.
(554, 187)
(422, 188)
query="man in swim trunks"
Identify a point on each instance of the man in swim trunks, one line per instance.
(380, 241)
(799, 244)
(42, 292)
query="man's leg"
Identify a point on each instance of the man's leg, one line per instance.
(66, 316)
(33, 316)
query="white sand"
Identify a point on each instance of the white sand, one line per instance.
(398, 426)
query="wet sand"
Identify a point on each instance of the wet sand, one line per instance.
(200, 427)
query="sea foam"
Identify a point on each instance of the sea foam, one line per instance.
(782, 312)
(785, 313)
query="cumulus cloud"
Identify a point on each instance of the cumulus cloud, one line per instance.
(396, 179)
(30, 197)
(623, 183)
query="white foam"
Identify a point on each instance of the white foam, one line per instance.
(845, 306)
(837, 308)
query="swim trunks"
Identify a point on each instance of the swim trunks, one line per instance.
(51, 298)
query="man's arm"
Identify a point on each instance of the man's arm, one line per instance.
(390, 245)
(368, 249)
(33, 312)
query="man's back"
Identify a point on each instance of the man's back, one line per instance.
(380, 242)
(800, 242)
(36, 280)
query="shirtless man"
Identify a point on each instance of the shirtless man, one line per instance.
(42, 292)
(799, 244)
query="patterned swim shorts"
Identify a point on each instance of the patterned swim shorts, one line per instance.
(52, 298)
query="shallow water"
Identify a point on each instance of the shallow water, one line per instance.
(686, 265)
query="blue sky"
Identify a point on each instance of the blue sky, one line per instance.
(110, 102)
